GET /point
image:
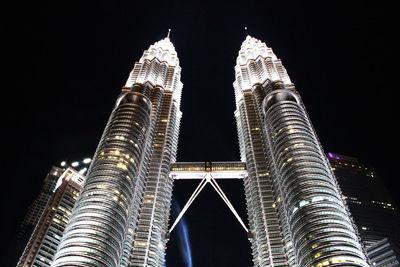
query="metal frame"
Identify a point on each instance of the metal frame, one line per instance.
(208, 178)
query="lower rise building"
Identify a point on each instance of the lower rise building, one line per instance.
(36, 209)
(384, 253)
(44, 240)
(373, 209)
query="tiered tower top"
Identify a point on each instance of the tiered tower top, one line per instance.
(158, 66)
(163, 50)
(257, 63)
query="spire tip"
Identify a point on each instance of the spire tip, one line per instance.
(169, 31)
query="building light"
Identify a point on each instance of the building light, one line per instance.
(87, 160)
(63, 163)
(75, 164)
(140, 244)
(122, 166)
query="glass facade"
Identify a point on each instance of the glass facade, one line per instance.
(46, 237)
(35, 210)
(266, 237)
(384, 253)
(116, 221)
(374, 211)
(297, 214)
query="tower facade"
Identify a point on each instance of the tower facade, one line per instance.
(297, 214)
(121, 215)
(35, 210)
(43, 243)
(374, 211)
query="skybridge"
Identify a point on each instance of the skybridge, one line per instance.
(208, 172)
(218, 170)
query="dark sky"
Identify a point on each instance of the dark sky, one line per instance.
(67, 62)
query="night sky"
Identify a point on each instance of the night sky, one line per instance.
(67, 62)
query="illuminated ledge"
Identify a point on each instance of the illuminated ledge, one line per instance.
(218, 170)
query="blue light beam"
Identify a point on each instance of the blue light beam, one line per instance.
(183, 236)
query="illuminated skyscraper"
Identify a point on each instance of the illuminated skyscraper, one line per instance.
(158, 67)
(43, 243)
(121, 216)
(36, 209)
(297, 213)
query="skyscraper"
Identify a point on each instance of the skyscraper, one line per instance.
(373, 209)
(44, 240)
(384, 253)
(160, 67)
(36, 209)
(297, 214)
(124, 205)
(295, 206)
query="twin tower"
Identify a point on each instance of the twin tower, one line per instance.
(297, 215)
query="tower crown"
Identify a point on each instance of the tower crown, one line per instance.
(256, 64)
(159, 66)
(252, 48)
(163, 51)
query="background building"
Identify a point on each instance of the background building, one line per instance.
(39, 204)
(372, 207)
(384, 253)
(43, 243)
(36, 209)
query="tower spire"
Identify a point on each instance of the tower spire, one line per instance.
(169, 31)
(245, 29)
